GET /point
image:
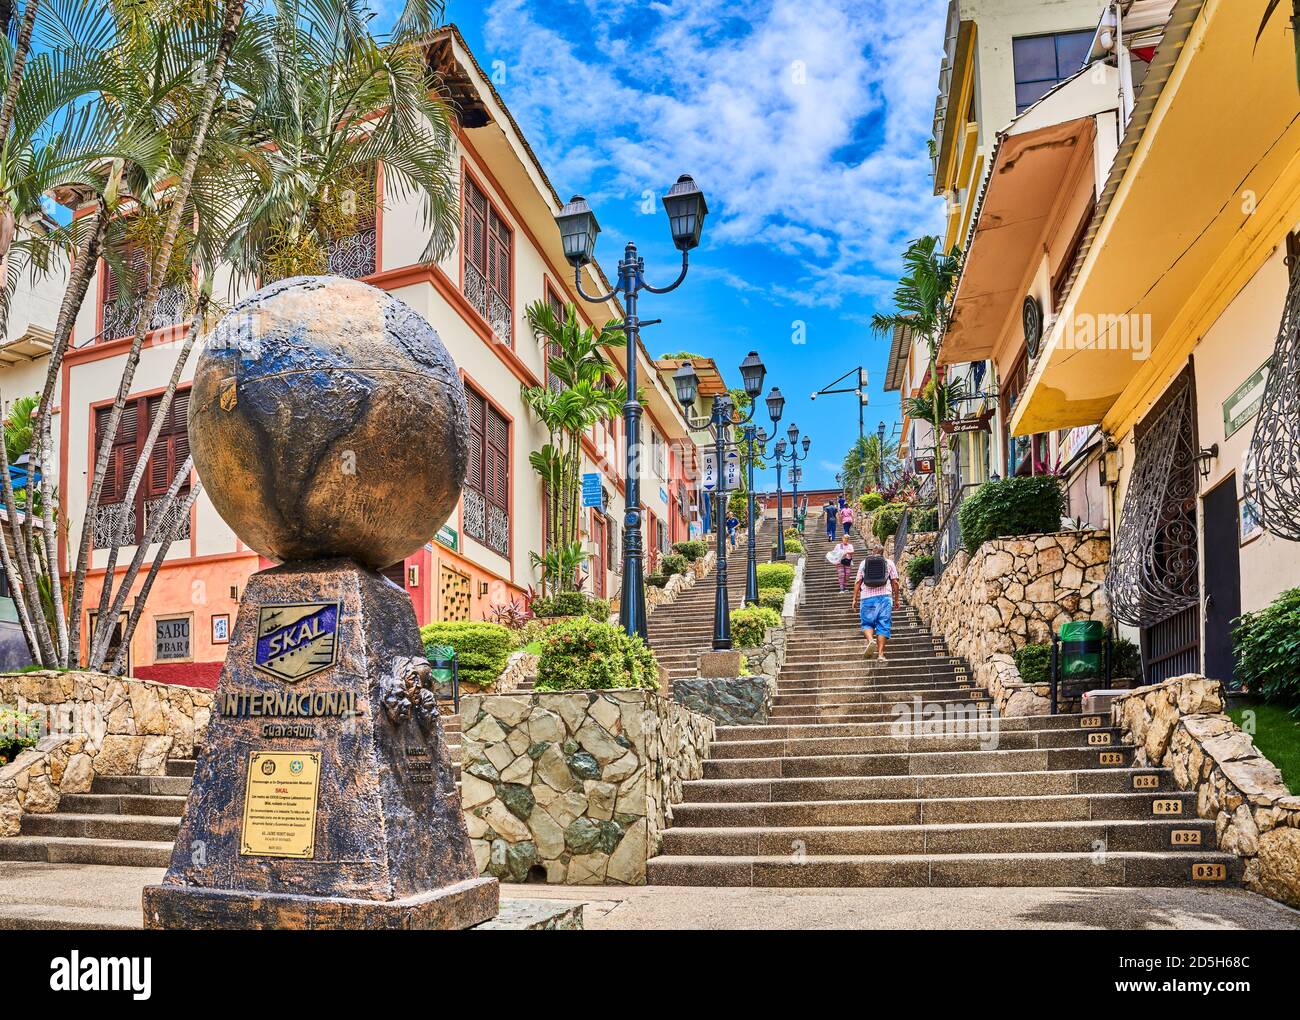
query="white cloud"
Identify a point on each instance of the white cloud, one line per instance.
(769, 114)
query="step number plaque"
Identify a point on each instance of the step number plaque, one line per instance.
(280, 804)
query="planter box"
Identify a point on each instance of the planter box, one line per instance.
(575, 787)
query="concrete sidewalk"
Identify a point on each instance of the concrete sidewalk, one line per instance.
(98, 896)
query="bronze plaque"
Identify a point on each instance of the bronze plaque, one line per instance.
(1110, 758)
(1098, 738)
(1089, 721)
(1167, 807)
(280, 804)
(1209, 872)
(1146, 782)
(1185, 837)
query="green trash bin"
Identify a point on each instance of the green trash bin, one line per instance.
(1083, 649)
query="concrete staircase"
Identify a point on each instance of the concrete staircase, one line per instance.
(680, 631)
(896, 775)
(126, 820)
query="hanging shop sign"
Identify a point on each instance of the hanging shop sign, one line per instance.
(1243, 404)
(1031, 314)
(960, 426)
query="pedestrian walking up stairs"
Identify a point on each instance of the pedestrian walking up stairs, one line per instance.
(681, 630)
(896, 774)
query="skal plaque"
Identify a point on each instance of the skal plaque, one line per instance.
(280, 804)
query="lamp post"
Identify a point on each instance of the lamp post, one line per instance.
(859, 390)
(880, 457)
(756, 445)
(721, 421)
(793, 457)
(686, 210)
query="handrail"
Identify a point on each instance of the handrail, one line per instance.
(948, 534)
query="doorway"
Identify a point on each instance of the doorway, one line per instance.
(1222, 557)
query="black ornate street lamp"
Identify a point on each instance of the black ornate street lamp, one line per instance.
(756, 440)
(686, 210)
(794, 458)
(880, 457)
(721, 422)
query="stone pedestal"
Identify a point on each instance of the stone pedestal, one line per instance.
(324, 795)
(724, 663)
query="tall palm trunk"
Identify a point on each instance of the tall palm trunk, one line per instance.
(938, 432)
(162, 258)
(21, 50)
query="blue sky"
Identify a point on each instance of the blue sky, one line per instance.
(804, 123)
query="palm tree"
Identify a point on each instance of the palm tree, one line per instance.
(577, 395)
(922, 303)
(329, 104)
(944, 401)
(868, 459)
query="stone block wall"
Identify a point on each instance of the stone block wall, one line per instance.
(93, 724)
(1014, 592)
(579, 784)
(729, 701)
(1179, 724)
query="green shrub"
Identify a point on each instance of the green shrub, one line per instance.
(886, 519)
(691, 550)
(1011, 507)
(772, 598)
(870, 501)
(481, 648)
(673, 563)
(18, 731)
(776, 575)
(1266, 645)
(923, 519)
(919, 568)
(738, 504)
(749, 625)
(1126, 659)
(656, 580)
(1035, 663)
(793, 535)
(794, 547)
(571, 603)
(583, 655)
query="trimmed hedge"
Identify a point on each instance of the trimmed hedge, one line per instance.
(749, 625)
(886, 520)
(1011, 507)
(794, 547)
(1266, 646)
(673, 563)
(691, 550)
(772, 598)
(481, 648)
(919, 568)
(583, 655)
(870, 501)
(571, 603)
(775, 575)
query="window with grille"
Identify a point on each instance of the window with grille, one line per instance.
(124, 291)
(487, 482)
(553, 349)
(355, 254)
(487, 243)
(119, 522)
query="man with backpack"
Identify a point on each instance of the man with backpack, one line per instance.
(874, 593)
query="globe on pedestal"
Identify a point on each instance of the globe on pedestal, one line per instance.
(328, 420)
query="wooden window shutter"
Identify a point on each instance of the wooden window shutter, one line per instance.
(497, 448)
(172, 446)
(122, 458)
(474, 475)
(475, 228)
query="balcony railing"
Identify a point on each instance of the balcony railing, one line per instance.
(120, 314)
(486, 522)
(488, 303)
(353, 255)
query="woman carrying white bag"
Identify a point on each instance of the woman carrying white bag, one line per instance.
(842, 557)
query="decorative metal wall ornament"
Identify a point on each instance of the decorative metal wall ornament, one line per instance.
(1274, 481)
(1154, 560)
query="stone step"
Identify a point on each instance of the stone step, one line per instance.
(914, 763)
(992, 869)
(84, 850)
(907, 787)
(772, 731)
(99, 826)
(976, 738)
(941, 695)
(180, 766)
(936, 810)
(1035, 837)
(122, 804)
(175, 786)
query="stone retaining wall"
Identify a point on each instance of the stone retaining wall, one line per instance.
(579, 784)
(728, 701)
(1179, 724)
(678, 583)
(94, 724)
(1014, 592)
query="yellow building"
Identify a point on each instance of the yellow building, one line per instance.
(1171, 317)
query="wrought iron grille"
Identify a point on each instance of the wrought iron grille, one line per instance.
(114, 525)
(1154, 561)
(498, 529)
(1272, 479)
(175, 523)
(488, 303)
(353, 255)
(475, 522)
(120, 315)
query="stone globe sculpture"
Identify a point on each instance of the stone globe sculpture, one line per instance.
(328, 420)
